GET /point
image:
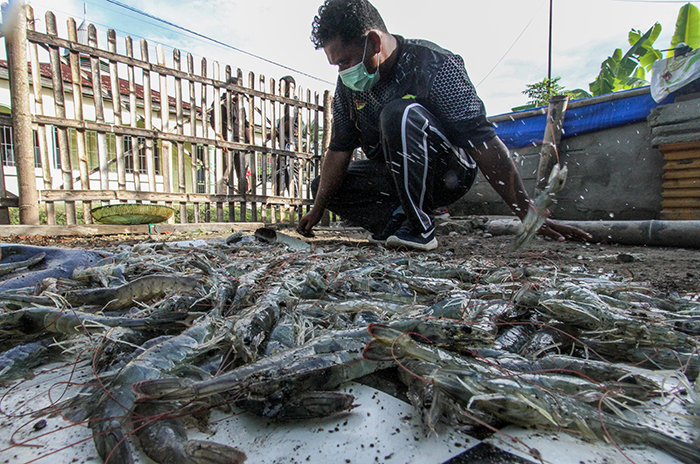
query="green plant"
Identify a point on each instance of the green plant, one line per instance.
(620, 72)
(540, 92)
(687, 28)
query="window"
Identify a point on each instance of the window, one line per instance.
(56, 150)
(8, 154)
(91, 148)
(111, 153)
(141, 147)
(128, 154)
(7, 148)
(156, 157)
(37, 150)
(200, 169)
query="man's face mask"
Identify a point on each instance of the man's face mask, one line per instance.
(357, 78)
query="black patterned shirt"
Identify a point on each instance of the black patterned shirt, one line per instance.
(435, 77)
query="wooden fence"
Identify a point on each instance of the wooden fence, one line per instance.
(165, 134)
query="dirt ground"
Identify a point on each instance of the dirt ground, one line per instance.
(666, 269)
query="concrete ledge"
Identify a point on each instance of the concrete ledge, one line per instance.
(140, 229)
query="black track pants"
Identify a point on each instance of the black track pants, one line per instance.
(421, 171)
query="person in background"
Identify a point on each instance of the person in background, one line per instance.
(234, 165)
(411, 107)
(286, 169)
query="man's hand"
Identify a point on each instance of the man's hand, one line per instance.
(309, 220)
(333, 170)
(561, 232)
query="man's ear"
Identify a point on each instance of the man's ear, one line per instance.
(374, 42)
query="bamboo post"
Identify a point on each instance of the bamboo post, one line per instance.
(273, 158)
(263, 158)
(309, 112)
(22, 137)
(117, 110)
(327, 102)
(148, 116)
(60, 110)
(549, 156)
(179, 122)
(252, 188)
(219, 161)
(166, 155)
(294, 145)
(193, 132)
(205, 134)
(317, 123)
(43, 142)
(233, 157)
(133, 115)
(314, 165)
(99, 109)
(309, 151)
(77, 80)
(282, 160)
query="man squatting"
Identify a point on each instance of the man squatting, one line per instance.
(411, 107)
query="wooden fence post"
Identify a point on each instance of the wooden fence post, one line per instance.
(205, 134)
(327, 113)
(117, 110)
(96, 73)
(41, 130)
(59, 102)
(179, 128)
(80, 142)
(16, 45)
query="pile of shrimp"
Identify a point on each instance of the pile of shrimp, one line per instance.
(155, 336)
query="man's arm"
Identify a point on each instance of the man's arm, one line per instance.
(498, 168)
(335, 165)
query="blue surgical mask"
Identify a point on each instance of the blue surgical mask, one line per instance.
(358, 78)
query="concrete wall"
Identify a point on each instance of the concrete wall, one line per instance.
(613, 174)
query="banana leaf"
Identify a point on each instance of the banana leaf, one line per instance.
(687, 27)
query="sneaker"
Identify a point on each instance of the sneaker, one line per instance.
(407, 237)
(395, 222)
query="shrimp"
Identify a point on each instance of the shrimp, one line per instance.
(300, 406)
(45, 319)
(528, 399)
(113, 409)
(142, 289)
(163, 437)
(322, 364)
(540, 206)
(6, 268)
(18, 361)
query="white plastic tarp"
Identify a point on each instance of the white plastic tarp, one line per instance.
(672, 74)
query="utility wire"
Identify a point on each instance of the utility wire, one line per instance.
(155, 18)
(509, 49)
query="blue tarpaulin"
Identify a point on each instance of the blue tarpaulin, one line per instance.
(581, 120)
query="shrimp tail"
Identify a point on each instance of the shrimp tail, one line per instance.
(378, 351)
(168, 389)
(209, 452)
(680, 450)
(111, 443)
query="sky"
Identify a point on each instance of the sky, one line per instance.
(504, 43)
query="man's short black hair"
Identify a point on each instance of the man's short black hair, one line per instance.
(348, 20)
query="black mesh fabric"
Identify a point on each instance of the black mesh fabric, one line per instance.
(435, 77)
